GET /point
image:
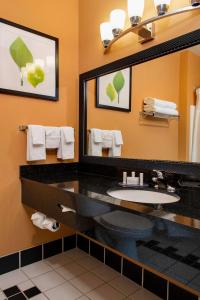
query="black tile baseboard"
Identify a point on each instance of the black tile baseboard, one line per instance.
(52, 248)
(31, 255)
(97, 251)
(70, 242)
(83, 243)
(155, 284)
(132, 271)
(113, 260)
(9, 263)
(176, 292)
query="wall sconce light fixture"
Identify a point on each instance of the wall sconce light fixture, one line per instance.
(114, 30)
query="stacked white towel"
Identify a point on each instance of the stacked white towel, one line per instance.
(36, 143)
(40, 138)
(160, 106)
(52, 137)
(66, 146)
(105, 139)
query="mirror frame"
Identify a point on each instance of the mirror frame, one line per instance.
(180, 43)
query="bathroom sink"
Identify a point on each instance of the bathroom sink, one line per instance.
(143, 196)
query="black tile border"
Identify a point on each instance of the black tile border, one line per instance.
(31, 255)
(11, 262)
(132, 271)
(52, 248)
(33, 291)
(83, 243)
(97, 251)
(135, 272)
(13, 290)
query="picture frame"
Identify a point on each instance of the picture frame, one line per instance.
(29, 62)
(113, 90)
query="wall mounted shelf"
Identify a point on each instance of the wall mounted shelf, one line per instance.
(146, 29)
(157, 115)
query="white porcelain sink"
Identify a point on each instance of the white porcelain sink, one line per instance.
(142, 196)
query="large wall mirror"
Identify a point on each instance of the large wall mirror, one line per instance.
(148, 129)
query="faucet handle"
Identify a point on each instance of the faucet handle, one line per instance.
(171, 189)
(159, 174)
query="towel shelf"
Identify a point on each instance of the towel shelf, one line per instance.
(145, 114)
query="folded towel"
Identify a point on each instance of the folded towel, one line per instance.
(52, 137)
(160, 103)
(35, 143)
(37, 132)
(161, 110)
(66, 146)
(107, 140)
(118, 137)
(94, 149)
(97, 135)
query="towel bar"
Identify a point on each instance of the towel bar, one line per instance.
(25, 127)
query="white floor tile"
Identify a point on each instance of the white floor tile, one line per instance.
(105, 292)
(143, 294)
(25, 285)
(124, 285)
(36, 269)
(12, 278)
(106, 273)
(48, 281)
(39, 297)
(89, 262)
(58, 261)
(76, 253)
(63, 292)
(2, 296)
(70, 271)
(83, 298)
(86, 282)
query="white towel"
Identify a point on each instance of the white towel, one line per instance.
(160, 103)
(36, 143)
(66, 146)
(52, 137)
(94, 149)
(97, 135)
(118, 137)
(107, 140)
(196, 134)
(161, 110)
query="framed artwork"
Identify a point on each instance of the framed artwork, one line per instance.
(113, 91)
(29, 62)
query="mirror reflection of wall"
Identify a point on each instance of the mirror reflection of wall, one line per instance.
(175, 78)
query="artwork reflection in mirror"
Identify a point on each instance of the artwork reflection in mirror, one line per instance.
(164, 121)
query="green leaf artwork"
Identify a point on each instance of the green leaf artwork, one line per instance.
(23, 58)
(110, 91)
(118, 82)
(35, 76)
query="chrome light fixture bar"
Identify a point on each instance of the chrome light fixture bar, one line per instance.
(113, 30)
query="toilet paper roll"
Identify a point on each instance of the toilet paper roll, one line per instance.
(38, 219)
(51, 224)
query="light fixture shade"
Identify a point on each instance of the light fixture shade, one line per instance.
(106, 33)
(117, 19)
(135, 8)
(162, 6)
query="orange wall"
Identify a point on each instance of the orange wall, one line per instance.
(94, 12)
(141, 135)
(57, 18)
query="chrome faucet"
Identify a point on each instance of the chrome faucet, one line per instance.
(161, 182)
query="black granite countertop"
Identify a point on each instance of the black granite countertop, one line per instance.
(95, 187)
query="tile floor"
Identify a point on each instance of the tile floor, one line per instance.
(69, 276)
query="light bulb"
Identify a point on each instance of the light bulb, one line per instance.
(162, 6)
(106, 33)
(117, 21)
(135, 11)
